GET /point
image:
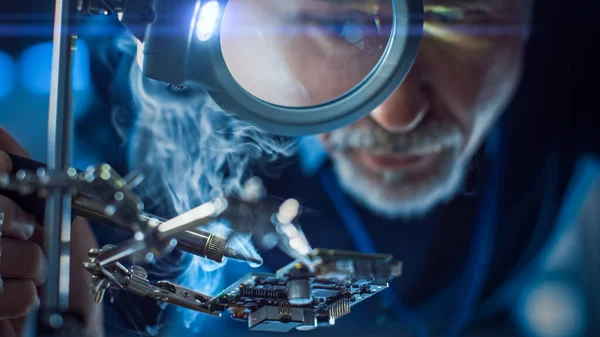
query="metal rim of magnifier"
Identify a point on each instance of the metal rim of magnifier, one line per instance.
(391, 70)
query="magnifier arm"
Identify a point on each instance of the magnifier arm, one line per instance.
(135, 15)
(101, 7)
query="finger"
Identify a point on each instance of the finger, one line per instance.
(10, 145)
(18, 299)
(7, 329)
(38, 236)
(23, 260)
(16, 223)
(18, 324)
(5, 163)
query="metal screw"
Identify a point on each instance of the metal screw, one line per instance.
(94, 252)
(138, 271)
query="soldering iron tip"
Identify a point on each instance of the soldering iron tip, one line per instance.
(251, 259)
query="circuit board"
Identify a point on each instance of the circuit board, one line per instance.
(305, 297)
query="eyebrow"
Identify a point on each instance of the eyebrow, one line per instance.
(362, 4)
(483, 4)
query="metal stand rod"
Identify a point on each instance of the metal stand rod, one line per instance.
(55, 297)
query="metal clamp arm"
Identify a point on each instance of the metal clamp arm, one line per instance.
(169, 292)
(135, 280)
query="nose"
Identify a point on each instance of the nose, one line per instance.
(406, 107)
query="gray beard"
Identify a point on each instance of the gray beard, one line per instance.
(394, 195)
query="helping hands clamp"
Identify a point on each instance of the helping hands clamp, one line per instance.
(100, 194)
(135, 280)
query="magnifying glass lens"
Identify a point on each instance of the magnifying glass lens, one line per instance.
(300, 53)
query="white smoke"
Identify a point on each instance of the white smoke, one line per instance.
(191, 150)
(198, 149)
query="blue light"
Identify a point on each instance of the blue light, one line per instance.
(81, 67)
(35, 67)
(7, 74)
(207, 20)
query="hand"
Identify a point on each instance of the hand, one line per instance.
(23, 266)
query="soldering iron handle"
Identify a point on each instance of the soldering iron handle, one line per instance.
(195, 241)
(32, 203)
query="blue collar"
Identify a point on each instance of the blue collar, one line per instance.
(312, 155)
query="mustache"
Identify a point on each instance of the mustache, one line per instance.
(430, 135)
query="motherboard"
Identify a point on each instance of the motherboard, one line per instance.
(308, 294)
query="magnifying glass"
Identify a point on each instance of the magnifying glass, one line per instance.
(292, 67)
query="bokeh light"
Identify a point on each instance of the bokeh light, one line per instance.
(7, 74)
(35, 68)
(552, 308)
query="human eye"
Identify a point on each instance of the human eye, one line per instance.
(453, 15)
(352, 26)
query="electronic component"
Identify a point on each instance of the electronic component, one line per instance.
(303, 297)
(281, 317)
(319, 287)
